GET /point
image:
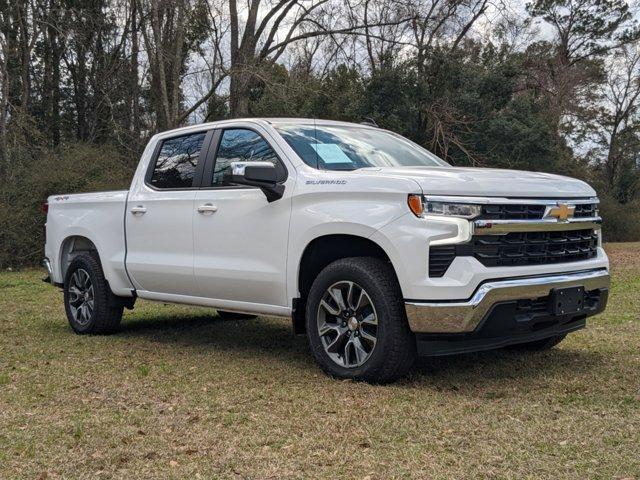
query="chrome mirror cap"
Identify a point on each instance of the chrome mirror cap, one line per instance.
(238, 168)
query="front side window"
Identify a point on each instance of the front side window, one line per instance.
(177, 161)
(242, 145)
(337, 147)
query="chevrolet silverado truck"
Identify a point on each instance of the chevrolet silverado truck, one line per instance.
(374, 247)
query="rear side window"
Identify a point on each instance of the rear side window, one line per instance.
(243, 145)
(177, 161)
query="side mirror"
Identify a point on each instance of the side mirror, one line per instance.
(263, 175)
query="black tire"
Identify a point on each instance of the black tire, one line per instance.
(106, 314)
(394, 352)
(544, 344)
(224, 315)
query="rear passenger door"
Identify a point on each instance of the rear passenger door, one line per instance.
(159, 216)
(240, 239)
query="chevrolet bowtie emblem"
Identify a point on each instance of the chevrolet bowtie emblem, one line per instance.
(562, 212)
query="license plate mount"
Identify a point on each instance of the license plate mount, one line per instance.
(565, 301)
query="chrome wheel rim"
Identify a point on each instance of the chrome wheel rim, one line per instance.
(81, 296)
(347, 324)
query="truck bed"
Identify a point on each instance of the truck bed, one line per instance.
(98, 216)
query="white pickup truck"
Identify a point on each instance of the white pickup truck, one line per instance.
(373, 246)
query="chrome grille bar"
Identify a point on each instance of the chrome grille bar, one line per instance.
(501, 227)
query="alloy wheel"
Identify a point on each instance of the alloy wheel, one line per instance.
(347, 324)
(81, 296)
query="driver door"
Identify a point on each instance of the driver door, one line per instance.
(240, 239)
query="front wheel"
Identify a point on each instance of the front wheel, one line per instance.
(88, 300)
(356, 322)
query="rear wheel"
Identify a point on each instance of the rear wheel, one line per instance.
(89, 303)
(544, 344)
(356, 322)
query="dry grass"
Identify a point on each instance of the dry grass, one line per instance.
(179, 393)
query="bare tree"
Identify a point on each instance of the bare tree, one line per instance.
(385, 29)
(4, 99)
(584, 30)
(618, 120)
(134, 85)
(263, 36)
(441, 22)
(20, 32)
(49, 15)
(438, 29)
(172, 31)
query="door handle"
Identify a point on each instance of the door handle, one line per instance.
(207, 208)
(139, 210)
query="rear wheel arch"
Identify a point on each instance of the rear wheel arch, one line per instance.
(73, 246)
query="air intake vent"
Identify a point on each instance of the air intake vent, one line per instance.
(440, 258)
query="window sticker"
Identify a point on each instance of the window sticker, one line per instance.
(331, 153)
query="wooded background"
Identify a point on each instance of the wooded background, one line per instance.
(550, 86)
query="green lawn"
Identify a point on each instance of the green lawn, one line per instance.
(180, 393)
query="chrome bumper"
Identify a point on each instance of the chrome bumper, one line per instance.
(464, 316)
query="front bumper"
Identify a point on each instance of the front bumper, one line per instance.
(452, 317)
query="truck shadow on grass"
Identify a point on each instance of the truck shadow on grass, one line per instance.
(272, 340)
(264, 336)
(504, 364)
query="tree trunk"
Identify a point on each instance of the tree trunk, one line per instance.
(611, 163)
(52, 59)
(25, 57)
(4, 93)
(161, 72)
(239, 94)
(55, 94)
(80, 94)
(134, 123)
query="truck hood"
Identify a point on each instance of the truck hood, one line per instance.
(487, 182)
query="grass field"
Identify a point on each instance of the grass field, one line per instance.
(180, 393)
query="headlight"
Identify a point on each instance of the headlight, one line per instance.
(420, 206)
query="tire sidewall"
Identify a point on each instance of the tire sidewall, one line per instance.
(334, 273)
(77, 263)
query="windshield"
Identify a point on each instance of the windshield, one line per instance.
(329, 147)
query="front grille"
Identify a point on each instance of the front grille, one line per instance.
(518, 211)
(584, 210)
(518, 249)
(514, 211)
(535, 248)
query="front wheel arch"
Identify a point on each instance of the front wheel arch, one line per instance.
(322, 251)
